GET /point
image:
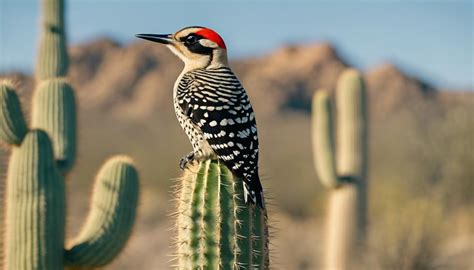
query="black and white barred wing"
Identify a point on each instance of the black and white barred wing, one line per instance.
(216, 102)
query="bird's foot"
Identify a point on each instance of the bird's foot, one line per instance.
(186, 160)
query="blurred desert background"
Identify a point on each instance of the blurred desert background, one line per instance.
(421, 158)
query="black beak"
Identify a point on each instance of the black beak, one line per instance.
(164, 39)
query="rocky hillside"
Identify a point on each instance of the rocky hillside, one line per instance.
(136, 80)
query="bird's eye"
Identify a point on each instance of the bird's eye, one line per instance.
(191, 39)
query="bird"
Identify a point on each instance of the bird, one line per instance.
(212, 106)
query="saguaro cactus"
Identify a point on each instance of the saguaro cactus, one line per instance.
(346, 175)
(54, 110)
(40, 159)
(111, 218)
(35, 206)
(53, 59)
(12, 123)
(216, 229)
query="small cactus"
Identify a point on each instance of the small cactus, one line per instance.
(40, 159)
(216, 229)
(346, 174)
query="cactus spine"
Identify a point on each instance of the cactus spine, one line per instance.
(40, 159)
(216, 229)
(346, 177)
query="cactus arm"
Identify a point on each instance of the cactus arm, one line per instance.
(35, 207)
(12, 123)
(217, 230)
(53, 59)
(111, 217)
(54, 110)
(323, 144)
(348, 199)
(352, 130)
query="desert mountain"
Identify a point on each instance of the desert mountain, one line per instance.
(136, 80)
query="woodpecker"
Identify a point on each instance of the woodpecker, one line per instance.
(212, 107)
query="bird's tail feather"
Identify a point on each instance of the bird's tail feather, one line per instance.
(254, 194)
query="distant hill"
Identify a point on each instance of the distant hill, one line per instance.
(136, 80)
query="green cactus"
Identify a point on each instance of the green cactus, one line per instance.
(216, 229)
(35, 206)
(54, 110)
(12, 123)
(53, 60)
(346, 177)
(40, 157)
(53, 13)
(111, 217)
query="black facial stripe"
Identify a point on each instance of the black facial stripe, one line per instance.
(191, 41)
(198, 48)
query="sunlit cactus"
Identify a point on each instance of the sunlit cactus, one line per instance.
(12, 123)
(111, 217)
(35, 206)
(216, 229)
(40, 159)
(54, 110)
(345, 173)
(53, 59)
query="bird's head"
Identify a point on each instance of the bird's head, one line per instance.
(196, 46)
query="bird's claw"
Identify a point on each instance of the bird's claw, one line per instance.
(184, 162)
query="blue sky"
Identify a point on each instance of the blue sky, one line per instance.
(432, 40)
